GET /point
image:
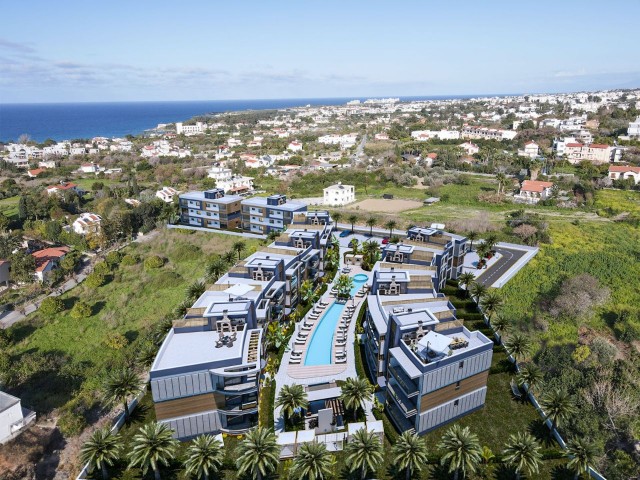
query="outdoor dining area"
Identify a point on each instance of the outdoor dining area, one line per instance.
(227, 334)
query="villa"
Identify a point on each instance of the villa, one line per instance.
(87, 223)
(166, 194)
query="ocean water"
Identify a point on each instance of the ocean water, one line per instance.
(66, 121)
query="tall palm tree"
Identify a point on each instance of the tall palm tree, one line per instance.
(355, 392)
(354, 244)
(491, 303)
(531, 375)
(490, 241)
(518, 346)
(291, 398)
(119, 385)
(581, 453)
(337, 216)
(462, 450)
(102, 449)
(501, 325)
(352, 219)
(371, 251)
(258, 453)
(364, 452)
(391, 224)
(239, 246)
(466, 279)
(229, 257)
(204, 456)
(502, 181)
(153, 446)
(482, 250)
(216, 268)
(523, 453)
(371, 222)
(313, 462)
(410, 453)
(477, 291)
(558, 405)
(472, 236)
(344, 284)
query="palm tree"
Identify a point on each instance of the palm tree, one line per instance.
(410, 453)
(239, 246)
(355, 392)
(490, 241)
(352, 219)
(391, 224)
(466, 279)
(491, 303)
(364, 452)
(581, 453)
(472, 236)
(306, 291)
(291, 398)
(336, 217)
(147, 353)
(344, 284)
(258, 453)
(371, 222)
(229, 257)
(477, 291)
(558, 405)
(502, 181)
(530, 375)
(102, 449)
(216, 268)
(195, 290)
(313, 462)
(482, 250)
(462, 450)
(523, 453)
(151, 446)
(518, 346)
(204, 456)
(119, 385)
(354, 244)
(371, 251)
(501, 325)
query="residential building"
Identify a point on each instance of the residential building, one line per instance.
(295, 146)
(47, 260)
(35, 172)
(167, 194)
(87, 223)
(532, 191)
(338, 195)
(531, 150)
(424, 135)
(469, 148)
(13, 417)
(64, 187)
(211, 209)
(594, 152)
(634, 128)
(620, 172)
(199, 127)
(469, 131)
(230, 183)
(89, 168)
(268, 214)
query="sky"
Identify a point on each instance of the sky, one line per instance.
(79, 51)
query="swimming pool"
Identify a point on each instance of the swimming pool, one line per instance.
(321, 343)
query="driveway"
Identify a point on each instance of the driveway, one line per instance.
(508, 260)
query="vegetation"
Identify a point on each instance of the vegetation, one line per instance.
(152, 447)
(462, 452)
(364, 452)
(258, 453)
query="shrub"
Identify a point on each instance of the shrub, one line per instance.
(114, 258)
(129, 260)
(81, 310)
(71, 423)
(116, 341)
(51, 306)
(95, 280)
(102, 268)
(154, 261)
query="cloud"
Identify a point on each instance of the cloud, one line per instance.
(15, 47)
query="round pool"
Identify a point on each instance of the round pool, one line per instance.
(360, 277)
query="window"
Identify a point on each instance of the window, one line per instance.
(455, 403)
(461, 364)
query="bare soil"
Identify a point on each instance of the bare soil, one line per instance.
(385, 206)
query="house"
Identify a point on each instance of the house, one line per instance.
(64, 187)
(13, 417)
(198, 128)
(595, 152)
(87, 223)
(338, 195)
(620, 172)
(230, 183)
(35, 172)
(295, 146)
(531, 150)
(133, 202)
(47, 164)
(47, 260)
(89, 168)
(532, 191)
(381, 136)
(470, 131)
(469, 148)
(166, 194)
(211, 209)
(4, 272)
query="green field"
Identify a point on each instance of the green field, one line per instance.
(9, 206)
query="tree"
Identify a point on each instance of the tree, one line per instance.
(215, 269)
(258, 453)
(195, 290)
(490, 241)
(581, 453)
(81, 310)
(119, 385)
(291, 398)
(230, 257)
(364, 452)
(354, 244)
(239, 246)
(337, 216)
(466, 279)
(472, 236)
(523, 453)
(410, 453)
(152, 446)
(531, 376)
(101, 450)
(371, 222)
(518, 346)
(352, 219)
(491, 303)
(558, 406)
(344, 284)
(482, 250)
(501, 325)
(51, 305)
(477, 291)
(355, 392)
(307, 290)
(371, 253)
(391, 224)
(204, 456)
(502, 181)
(4, 222)
(313, 462)
(23, 209)
(23, 267)
(462, 451)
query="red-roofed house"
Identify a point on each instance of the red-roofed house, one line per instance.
(35, 172)
(532, 191)
(87, 223)
(62, 187)
(622, 172)
(47, 260)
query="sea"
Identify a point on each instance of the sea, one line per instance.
(68, 121)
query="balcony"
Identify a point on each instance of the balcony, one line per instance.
(406, 406)
(398, 418)
(405, 383)
(247, 385)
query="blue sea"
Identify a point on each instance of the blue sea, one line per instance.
(67, 121)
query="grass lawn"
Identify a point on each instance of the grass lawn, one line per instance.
(9, 206)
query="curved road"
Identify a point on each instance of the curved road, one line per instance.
(502, 266)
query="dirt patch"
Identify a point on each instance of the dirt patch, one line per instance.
(385, 206)
(33, 454)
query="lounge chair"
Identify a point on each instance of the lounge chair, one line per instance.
(341, 342)
(300, 341)
(295, 360)
(295, 353)
(341, 360)
(303, 335)
(306, 328)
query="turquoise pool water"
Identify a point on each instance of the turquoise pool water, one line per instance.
(321, 343)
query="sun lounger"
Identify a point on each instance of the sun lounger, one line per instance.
(341, 360)
(306, 328)
(295, 360)
(300, 341)
(295, 353)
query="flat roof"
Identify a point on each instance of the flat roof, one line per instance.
(231, 308)
(200, 196)
(262, 202)
(7, 401)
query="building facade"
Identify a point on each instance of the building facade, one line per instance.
(263, 215)
(211, 209)
(594, 152)
(338, 195)
(533, 191)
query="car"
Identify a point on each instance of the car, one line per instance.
(385, 240)
(345, 233)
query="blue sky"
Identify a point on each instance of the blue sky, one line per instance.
(204, 50)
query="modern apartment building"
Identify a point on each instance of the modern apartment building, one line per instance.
(268, 214)
(211, 209)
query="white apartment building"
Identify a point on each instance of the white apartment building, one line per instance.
(295, 146)
(470, 131)
(166, 194)
(531, 150)
(338, 195)
(198, 128)
(230, 183)
(634, 128)
(594, 152)
(424, 135)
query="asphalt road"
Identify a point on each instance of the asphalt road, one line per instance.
(498, 269)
